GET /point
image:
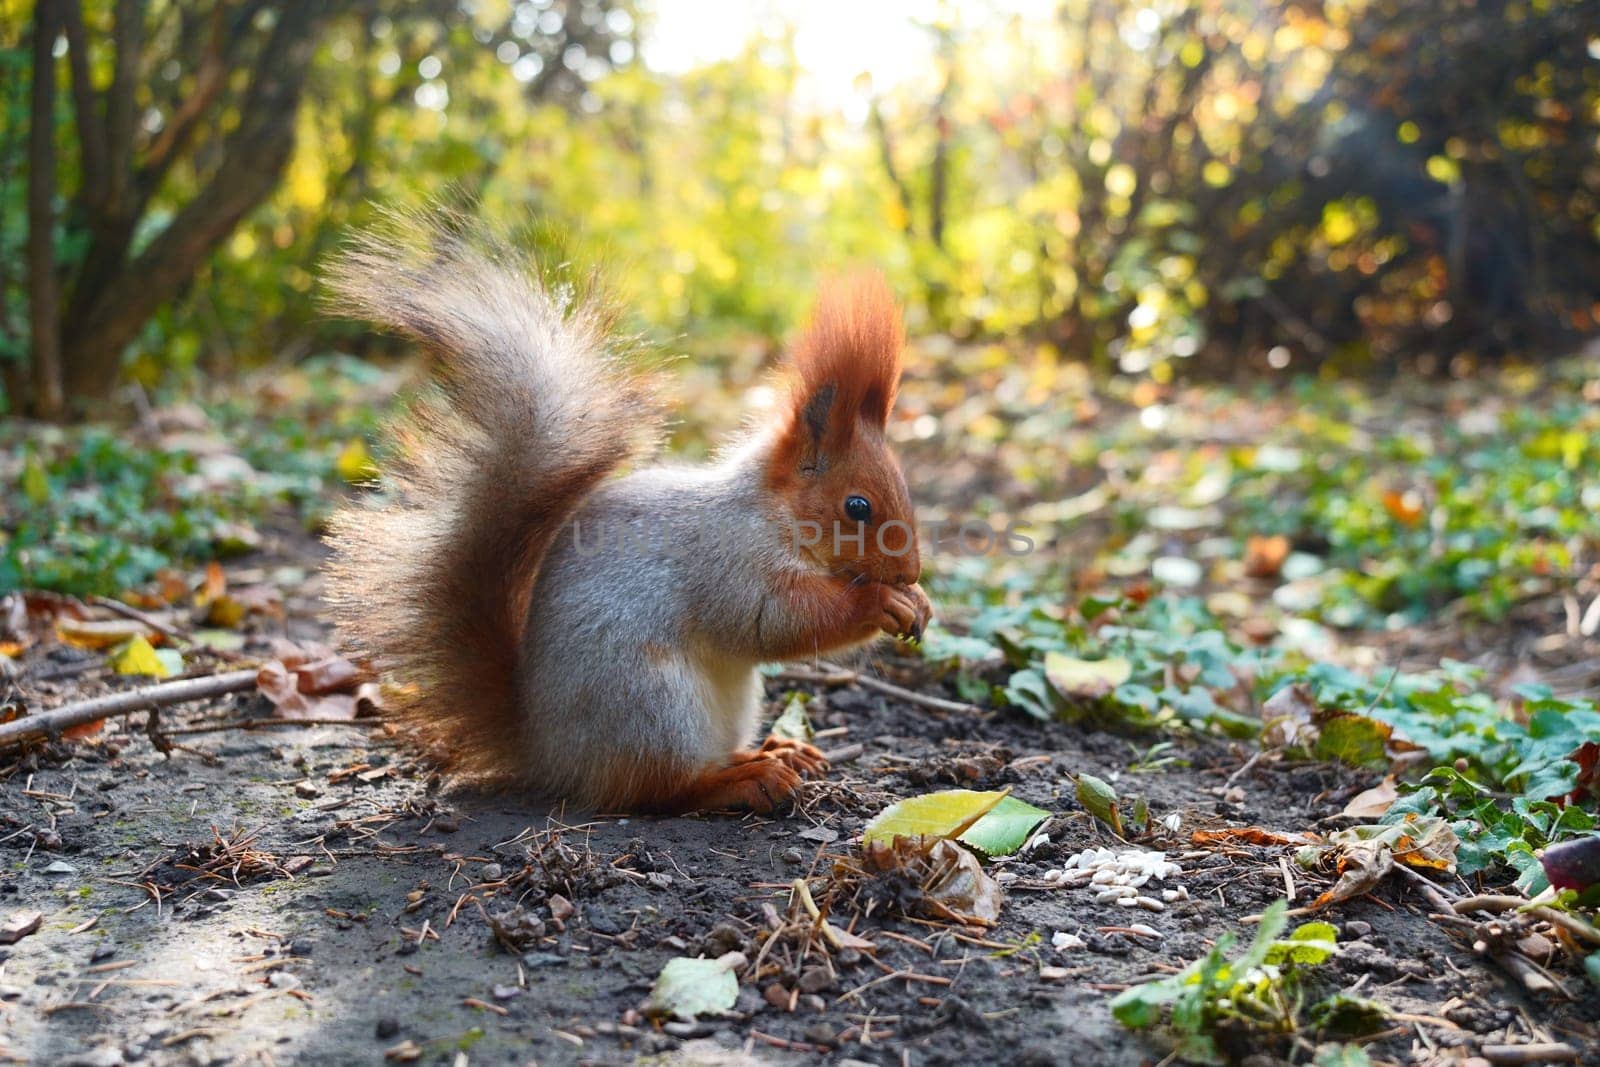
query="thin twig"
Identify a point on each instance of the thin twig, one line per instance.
(832, 674)
(1549, 1052)
(50, 723)
(258, 723)
(119, 608)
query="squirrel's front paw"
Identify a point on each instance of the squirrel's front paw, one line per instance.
(906, 611)
(806, 759)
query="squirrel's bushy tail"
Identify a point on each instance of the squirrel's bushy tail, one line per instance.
(534, 408)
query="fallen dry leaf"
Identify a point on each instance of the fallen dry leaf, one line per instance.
(1364, 855)
(299, 653)
(1264, 556)
(407, 1051)
(1361, 867)
(43, 607)
(332, 675)
(954, 885)
(1250, 835)
(83, 729)
(103, 633)
(1288, 715)
(1587, 783)
(226, 608)
(325, 688)
(1372, 803)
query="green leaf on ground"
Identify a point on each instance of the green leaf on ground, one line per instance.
(1005, 828)
(1100, 800)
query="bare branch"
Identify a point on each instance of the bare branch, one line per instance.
(85, 105)
(886, 153)
(209, 80)
(121, 108)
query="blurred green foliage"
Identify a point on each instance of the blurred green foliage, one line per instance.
(1504, 772)
(1224, 185)
(89, 510)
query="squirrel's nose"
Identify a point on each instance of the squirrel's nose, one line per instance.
(903, 571)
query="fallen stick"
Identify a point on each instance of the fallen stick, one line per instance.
(835, 675)
(1546, 1052)
(264, 723)
(50, 723)
(1496, 904)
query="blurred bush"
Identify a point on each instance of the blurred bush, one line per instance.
(1212, 186)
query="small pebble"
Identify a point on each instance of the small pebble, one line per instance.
(815, 980)
(819, 1033)
(493, 872)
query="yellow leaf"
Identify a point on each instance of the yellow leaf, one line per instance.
(137, 657)
(1089, 679)
(225, 612)
(355, 463)
(945, 814)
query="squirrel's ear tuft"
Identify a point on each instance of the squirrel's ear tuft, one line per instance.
(852, 348)
(845, 371)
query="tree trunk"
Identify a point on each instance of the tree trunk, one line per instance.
(44, 296)
(110, 307)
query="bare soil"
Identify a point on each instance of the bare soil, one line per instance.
(312, 895)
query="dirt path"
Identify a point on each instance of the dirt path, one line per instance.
(305, 896)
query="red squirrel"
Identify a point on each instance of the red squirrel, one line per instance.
(553, 623)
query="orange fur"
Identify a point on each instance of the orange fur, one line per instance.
(831, 442)
(853, 343)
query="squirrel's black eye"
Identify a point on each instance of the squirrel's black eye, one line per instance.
(858, 508)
